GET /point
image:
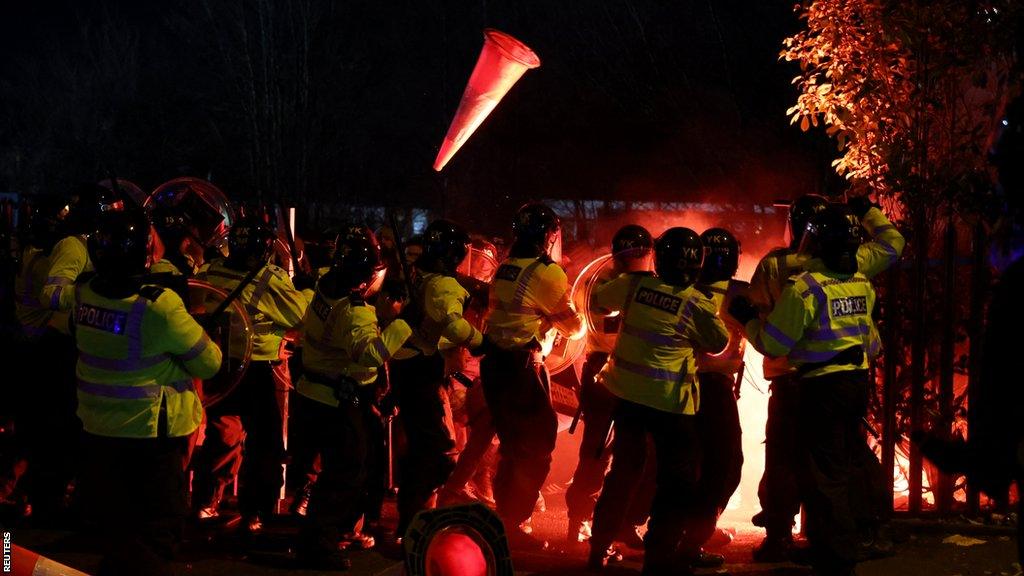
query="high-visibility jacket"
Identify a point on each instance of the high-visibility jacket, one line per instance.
(68, 260)
(529, 297)
(663, 328)
(165, 266)
(602, 335)
(444, 303)
(819, 314)
(271, 300)
(28, 286)
(727, 361)
(775, 269)
(341, 340)
(135, 355)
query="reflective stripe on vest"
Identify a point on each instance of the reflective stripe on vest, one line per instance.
(134, 361)
(122, 392)
(646, 371)
(261, 287)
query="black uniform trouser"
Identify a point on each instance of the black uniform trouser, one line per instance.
(342, 439)
(677, 452)
(425, 415)
(377, 468)
(869, 498)
(628, 491)
(518, 394)
(597, 406)
(254, 412)
(50, 426)
(718, 424)
(133, 490)
(478, 444)
(831, 437)
(780, 499)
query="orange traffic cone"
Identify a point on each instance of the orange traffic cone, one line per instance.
(502, 61)
(28, 563)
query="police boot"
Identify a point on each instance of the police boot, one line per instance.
(631, 537)
(774, 548)
(520, 540)
(300, 506)
(720, 539)
(578, 532)
(601, 556)
(705, 559)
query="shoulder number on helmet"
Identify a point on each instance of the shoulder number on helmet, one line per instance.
(849, 306)
(659, 300)
(508, 272)
(112, 321)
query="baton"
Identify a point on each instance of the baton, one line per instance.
(576, 419)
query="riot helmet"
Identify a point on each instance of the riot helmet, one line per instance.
(678, 255)
(88, 202)
(721, 255)
(120, 245)
(445, 245)
(43, 219)
(800, 213)
(358, 266)
(250, 243)
(834, 235)
(534, 231)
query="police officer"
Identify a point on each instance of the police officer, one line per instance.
(777, 490)
(344, 348)
(182, 253)
(57, 425)
(822, 323)
(666, 320)
(42, 233)
(139, 355)
(38, 238)
(529, 297)
(632, 253)
(436, 312)
(718, 420)
(255, 409)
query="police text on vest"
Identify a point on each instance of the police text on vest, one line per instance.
(849, 306)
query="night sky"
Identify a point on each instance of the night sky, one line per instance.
(638, 99)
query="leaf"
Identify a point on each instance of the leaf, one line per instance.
(805, 124)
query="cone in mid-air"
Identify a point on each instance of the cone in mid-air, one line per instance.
(502, 61)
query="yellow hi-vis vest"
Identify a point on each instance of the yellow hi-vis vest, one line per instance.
(341, 339)
(776, 268)
(663, 326)
(529, 297)
(727, 361)
(68, 260)
(819, 314)
(444, 302)
(271, 300)
(28, 286)
(602, 335)
(134, 355)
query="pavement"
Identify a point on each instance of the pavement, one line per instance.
(926, 548)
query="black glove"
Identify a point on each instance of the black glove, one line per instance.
(304, 281)
(742, 309)
(860, 205)
(485, 346)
